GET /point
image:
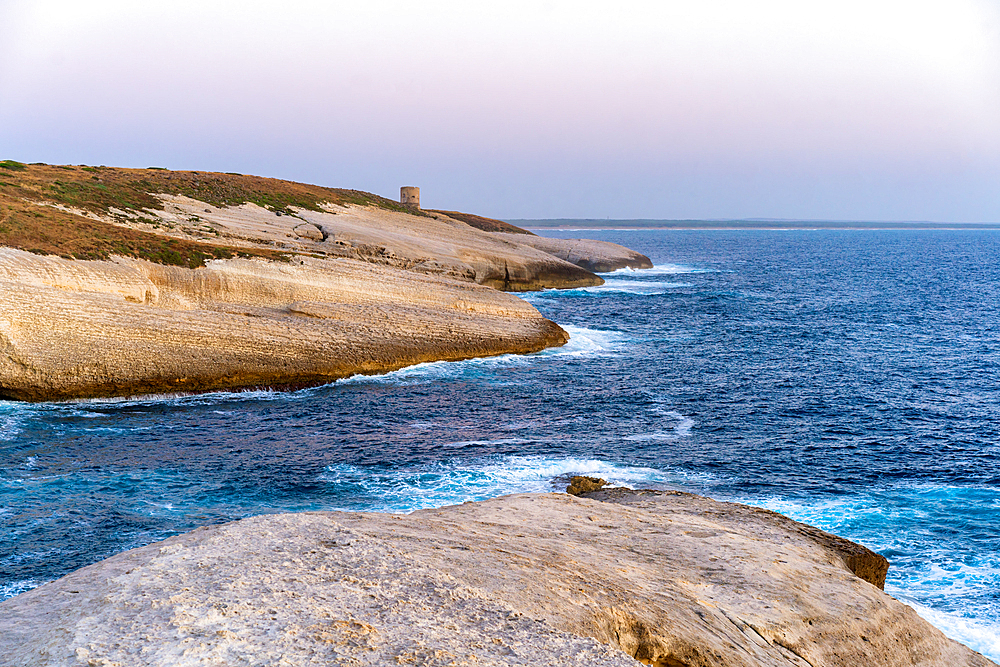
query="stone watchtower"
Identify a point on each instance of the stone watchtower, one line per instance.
(409, 196)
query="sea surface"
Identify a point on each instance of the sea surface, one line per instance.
(849, 379)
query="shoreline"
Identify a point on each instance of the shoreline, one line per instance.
(134, 328)
(124, 282)
(965, 632)
(300, 311)
(280, 584)
(583, 224)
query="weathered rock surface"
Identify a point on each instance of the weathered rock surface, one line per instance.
(596, 256)
(72, 328)
(434, 244)
(672, 579)
(369, 287)
(483, 223)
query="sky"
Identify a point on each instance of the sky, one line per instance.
(818, 109)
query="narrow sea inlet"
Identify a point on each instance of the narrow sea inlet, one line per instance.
(849, 379)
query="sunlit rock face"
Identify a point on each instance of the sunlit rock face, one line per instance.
(609, 578)
(596, 256)
(72, 328)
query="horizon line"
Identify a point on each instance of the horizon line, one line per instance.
(742, 223)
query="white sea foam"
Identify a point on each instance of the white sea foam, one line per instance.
(434, 371)
(422, 425)
(448, 483)
(648, 288)
(684, 425)
(654, 435)
(482, 443)
(659, 270)
(932, 578)
(977, 634)
(610, 287)
(582, 342)
(588, 342)
(125, 430)
(681, 429)
(12, 415)
(207, 398)
(13, 588)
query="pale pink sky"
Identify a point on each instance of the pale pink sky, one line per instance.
(876, 110)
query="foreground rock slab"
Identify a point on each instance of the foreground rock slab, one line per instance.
(669, 579)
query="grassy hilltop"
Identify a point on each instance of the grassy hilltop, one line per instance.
(72, 211)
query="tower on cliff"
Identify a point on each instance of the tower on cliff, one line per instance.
(409, 196)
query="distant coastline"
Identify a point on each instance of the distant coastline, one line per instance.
(756, 223)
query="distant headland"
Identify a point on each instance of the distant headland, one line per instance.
(752, 223)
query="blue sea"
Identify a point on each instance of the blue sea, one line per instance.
(849, 379)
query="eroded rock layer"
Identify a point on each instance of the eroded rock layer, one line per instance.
(669, 579)
(432, 243)
(596, 256)
(72, 328)
(183, 217)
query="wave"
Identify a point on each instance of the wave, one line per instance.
(486, 443)
(609, 288)
(979, 635)
(583, 342)
(458, 481)
(659, 270)
(681, 429)
(11, 417)
(626, 281)
(206, 398)
(633, 287)
(12, 588)
(587, 342)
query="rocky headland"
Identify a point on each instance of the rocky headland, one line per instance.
(119, 282)
(596, 256)
(608, 578)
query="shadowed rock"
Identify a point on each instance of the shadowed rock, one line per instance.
(580, 484)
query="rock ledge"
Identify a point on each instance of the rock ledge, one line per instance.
(668, 579)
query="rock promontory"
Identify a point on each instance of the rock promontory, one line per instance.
(596, 256)
(120, 282)
(607, 578)
(72, 329)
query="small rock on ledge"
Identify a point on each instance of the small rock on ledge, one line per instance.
(580, 484)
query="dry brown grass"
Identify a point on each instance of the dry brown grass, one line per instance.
(101, 190)
(485, 224)
(48, 231)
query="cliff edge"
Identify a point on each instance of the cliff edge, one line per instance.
(123, 327)
(186, 217)
(662, 578)
(122, 282)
